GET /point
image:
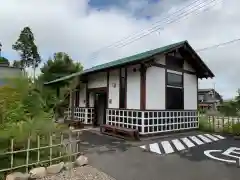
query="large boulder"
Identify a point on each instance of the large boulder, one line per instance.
(39, 172)
(81, 160)
(17, 176)
(55, 168)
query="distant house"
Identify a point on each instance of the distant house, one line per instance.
(7, 71)
(209, 99)
(153, 92)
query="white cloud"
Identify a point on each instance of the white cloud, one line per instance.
(74, 27)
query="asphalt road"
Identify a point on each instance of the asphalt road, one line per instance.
(164, 157)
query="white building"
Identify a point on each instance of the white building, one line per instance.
(154, 91)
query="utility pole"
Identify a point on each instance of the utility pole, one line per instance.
(214, 96)
(0, 49)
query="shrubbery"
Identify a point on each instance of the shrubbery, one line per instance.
(25, 111)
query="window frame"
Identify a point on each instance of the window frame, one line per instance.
(175, 86)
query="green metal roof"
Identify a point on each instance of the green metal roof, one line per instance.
(126, 60)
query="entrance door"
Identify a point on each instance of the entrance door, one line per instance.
(100, 108)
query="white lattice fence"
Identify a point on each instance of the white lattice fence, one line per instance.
(85, 115)
(150, 122)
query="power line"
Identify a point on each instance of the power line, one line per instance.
(130, 36)
(170, 22)
(155, 28)
(218, 45)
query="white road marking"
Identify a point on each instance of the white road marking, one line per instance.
(205, 139)
(219, 136)
(167, 147)
(154, 148)
(188, 142)
(196, 140)
(181, 144)
(178, 144)
(211, 137)
(208, 153)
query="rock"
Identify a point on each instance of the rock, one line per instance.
(68, 165)
(17, 176)
(81, 160)
(55, 168)
(39, 172)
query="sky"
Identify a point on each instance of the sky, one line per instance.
(82, 27)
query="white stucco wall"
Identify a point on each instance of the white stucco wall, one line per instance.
(188, 67)
(113, 91)
(133, 88)
(82, 96)
(190, 92)
(8, 72)
(160, 59)
(155, 88)
(97, 80)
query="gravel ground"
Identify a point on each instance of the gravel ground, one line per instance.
(80, 173)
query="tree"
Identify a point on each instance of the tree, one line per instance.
(58, 66)
(27, 49)
(4, 60)
(17, 64)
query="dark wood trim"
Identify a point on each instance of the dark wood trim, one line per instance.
(120, 87)
(163, 110)
(125, 100)
(107, 88)
(142, 87)
(197, 93)
(173, 69)
(99, 89)
(165, 87)
(87, 96)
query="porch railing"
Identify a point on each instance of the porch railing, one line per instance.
(85, 115)
(151, 122)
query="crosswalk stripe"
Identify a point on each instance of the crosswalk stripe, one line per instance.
(167, 147)
(205, 139)
(143, 147)
(219, 136)
(188, 142)
(154, 148)
(178, 144)
(211, 137)
(196, 140)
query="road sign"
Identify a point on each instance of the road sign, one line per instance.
(232, 152)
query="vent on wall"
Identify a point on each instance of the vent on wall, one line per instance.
(134, 69)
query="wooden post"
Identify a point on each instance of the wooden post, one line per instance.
(27, 156)
(72, 104)
(38, 146)
(50, 150)
(11, 153)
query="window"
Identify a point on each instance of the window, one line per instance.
(174, 79)
(122, 88)
(174, 98)
(174, 92)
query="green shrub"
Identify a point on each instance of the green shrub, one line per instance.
(26, 112)
(236, 129)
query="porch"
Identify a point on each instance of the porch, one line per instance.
(146, 122)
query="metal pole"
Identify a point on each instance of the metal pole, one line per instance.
(0, 49)
(214, 96)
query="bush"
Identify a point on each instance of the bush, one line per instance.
(25, 112)
(236, 129)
